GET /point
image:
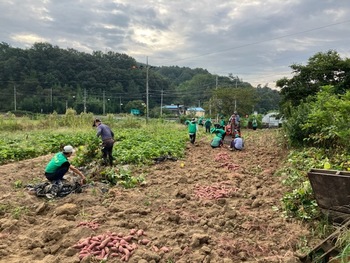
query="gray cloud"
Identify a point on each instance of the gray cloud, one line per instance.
(256, 40)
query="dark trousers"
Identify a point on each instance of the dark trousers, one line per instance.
(192, 137)
(207, 128)
(107, 151)
(58, 175)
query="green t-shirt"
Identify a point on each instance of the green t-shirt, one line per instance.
(192, 127)
(220, 133)
(207, 123)
(56, 162)
(216, 142)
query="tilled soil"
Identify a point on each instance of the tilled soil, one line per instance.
(215, 205)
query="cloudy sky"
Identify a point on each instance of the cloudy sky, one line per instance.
(256, 40)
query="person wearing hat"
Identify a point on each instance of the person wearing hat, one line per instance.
(192, 130)
(237, 143)
(219, 132)
(107, 137)
(59, 165)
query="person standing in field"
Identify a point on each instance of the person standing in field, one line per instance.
(107, 137)
(254, 124)
(207, 125)
(59, 166)
(192, 130)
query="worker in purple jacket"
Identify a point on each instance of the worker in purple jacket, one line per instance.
(107, 137)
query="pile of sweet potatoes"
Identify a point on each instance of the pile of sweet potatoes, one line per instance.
(91, 225)
(215, 191)
(225, 159)
(111, 245)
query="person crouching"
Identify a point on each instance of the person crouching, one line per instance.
(237, 143)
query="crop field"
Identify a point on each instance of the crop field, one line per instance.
(164, 200)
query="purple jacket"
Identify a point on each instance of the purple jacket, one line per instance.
(105, 132)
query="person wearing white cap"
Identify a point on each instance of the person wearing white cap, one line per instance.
(59, 165)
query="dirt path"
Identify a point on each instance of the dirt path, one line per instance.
(171, 209)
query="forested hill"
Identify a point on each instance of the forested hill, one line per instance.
(46, 78)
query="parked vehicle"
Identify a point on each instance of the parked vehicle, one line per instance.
(272, 120)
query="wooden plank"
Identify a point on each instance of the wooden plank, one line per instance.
(328, 245)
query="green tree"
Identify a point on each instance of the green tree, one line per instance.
(322, 69)
(322, 121)
(227, 100)
(136, 104)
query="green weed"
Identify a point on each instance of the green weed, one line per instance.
(19, 211)
(18, 184)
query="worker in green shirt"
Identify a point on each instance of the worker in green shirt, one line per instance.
(207, 125)
(219, 132)
(216, 142)
(59, 166)
(192, 130)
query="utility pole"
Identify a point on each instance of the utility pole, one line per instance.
(161, 103)
(120, 104)
(210, 107)
(147, 106)
(15, 97)
(104, 102)
(84, 100)
(216, 82)
(51, 99)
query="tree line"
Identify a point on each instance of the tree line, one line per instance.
(45, 79)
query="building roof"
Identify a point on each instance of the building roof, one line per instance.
(172, 107)
(195, 109)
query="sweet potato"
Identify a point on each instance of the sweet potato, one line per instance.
(104, 243)
(128, 238)
(127, 254)
(140, 232)
(165, 249)
(103, 253)
(144, 241)
(155, 248)
(133, 231)
(123, 242)
(121, 249)
(92, 245)
(78, 246)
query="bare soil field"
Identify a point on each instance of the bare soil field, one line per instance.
(214, 205)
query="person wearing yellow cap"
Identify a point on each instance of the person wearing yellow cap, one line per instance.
(59, 165)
